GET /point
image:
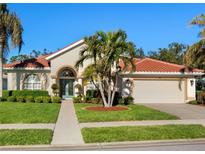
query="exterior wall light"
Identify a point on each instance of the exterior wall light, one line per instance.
(128, 83)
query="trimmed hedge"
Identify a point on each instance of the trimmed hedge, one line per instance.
(20, 99)
(6, 93)
(30, 99)
(46, 99)
(34, 93)
(11, 99)
(56, 99)
(77, 99)
(38, 99)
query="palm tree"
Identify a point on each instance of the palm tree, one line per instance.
(105, 50)
(200, 21)
(10, 29)
(195, 55)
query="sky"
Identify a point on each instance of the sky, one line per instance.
(149, 26)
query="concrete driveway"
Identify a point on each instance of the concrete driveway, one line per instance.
(183, 111)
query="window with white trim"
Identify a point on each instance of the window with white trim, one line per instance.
(32, 82)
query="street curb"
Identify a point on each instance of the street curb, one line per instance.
(110, 144)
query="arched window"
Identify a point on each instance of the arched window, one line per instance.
(66, 73)
(32, 82)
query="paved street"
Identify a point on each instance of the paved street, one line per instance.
(165, 146)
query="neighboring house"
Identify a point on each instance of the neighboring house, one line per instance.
(153, 81)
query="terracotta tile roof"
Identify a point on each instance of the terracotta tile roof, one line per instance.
(153, 65)
(39, 62)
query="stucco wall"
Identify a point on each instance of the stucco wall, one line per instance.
(69, 59)
(16, 79)
(191, 89)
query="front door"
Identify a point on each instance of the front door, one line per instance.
(66, 88)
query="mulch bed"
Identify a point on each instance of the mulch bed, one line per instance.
(101, 108)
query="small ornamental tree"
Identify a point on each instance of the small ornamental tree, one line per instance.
(54, 87)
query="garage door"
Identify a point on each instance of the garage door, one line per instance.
(158, 91)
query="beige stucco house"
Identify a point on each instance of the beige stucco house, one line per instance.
(153, 81)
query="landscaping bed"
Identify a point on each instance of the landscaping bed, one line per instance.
(135, 112)
(25, 136)
(139, 133)
(14, 112)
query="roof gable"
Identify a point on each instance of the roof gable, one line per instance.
(65, 49)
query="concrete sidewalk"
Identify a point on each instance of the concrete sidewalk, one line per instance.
(27, 126)
(142, 123)
(67, 129)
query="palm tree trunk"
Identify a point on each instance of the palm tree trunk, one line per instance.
(1, 68)
(102, 92)
(114, 88)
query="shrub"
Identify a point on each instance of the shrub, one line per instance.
(54, 88)
(87, 99)
(128, 100)
(91, 93)
(11, 99)
(77, 99)
(201, 97)
(20, 99)
(193, 102)
(121, 101)
(29, 99)
(95, 100)
(56, 99)
(34, 93)
(38, 99)
(46, 99)
(6, 93)
(2, 99)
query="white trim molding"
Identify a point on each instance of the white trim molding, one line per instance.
(26, 68)
(178, 74)
(65, 49)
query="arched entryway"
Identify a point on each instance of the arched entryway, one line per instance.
(66, 78)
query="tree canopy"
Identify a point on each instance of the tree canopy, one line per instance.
(174, 53)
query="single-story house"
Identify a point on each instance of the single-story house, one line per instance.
(153, 81)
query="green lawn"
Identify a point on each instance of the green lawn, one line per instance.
(25, 136)
(136, 112)
(139, 133)
(28, 112)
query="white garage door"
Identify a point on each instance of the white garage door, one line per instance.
(158, 91)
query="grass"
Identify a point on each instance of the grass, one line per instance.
(28, 112)
(139, 133)
(25, 136)
(136, 112)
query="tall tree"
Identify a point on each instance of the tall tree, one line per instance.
(195, 55)
(32, 54)
(200, 21)
(10, 29)
(105, 50)
(140, 53)
(174, 53)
